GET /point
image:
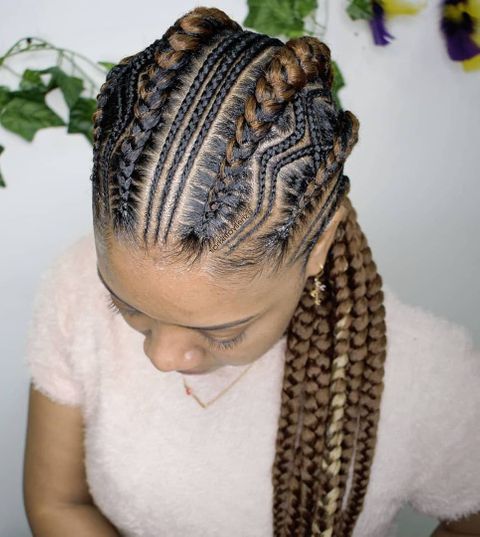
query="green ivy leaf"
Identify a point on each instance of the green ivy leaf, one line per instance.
(5, 96)
(28, 95)
(70, 86)
(279, 17)
(2, 182)
(304, 7)
(81, 117)
(360, 9)
(26, 116)
(31, 80)
(107, 65)
(338, 83)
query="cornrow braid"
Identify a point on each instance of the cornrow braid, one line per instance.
(266, 158)
(305, 200)
(333, 164)
(304, 197)
(121, 103)
(98, 119)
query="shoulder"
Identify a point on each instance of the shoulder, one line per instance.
(431, 381)
(430, 346)
(77, 259)
(419, 322)
(71, 276)
(57, 321)
(69, 291)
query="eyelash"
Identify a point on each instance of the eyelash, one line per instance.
(111, 304)
(217, 344)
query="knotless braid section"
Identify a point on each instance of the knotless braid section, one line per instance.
(314, 493)
(327, 489)
(371, 389)
(332, 386)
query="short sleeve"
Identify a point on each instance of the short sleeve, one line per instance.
(48, 345)
(446, 421)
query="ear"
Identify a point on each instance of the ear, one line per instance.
(319, 253)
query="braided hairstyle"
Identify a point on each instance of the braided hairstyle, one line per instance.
(226, 146)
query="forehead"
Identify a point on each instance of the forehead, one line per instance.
(183, 292)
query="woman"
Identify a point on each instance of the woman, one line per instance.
(225, 238)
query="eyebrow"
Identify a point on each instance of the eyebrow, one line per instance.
(207, 328)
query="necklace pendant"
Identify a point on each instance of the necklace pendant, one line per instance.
(188, 390)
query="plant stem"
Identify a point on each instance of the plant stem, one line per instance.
(45, 45)
(12, 71)
(34, 44)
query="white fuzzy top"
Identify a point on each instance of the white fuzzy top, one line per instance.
(158, 464)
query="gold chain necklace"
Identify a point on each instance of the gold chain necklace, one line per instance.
(189, 390)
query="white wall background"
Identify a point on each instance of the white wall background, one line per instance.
(414, 173)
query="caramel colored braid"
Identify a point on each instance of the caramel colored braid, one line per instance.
(324, 383)
(371, 390)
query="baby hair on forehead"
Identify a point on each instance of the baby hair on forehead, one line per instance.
(225, 145)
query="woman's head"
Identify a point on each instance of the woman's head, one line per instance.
(218, 191)
(176, 307)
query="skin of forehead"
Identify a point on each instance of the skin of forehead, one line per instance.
(233, 301)
(187, 296)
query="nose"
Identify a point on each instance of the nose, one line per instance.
(172, 348)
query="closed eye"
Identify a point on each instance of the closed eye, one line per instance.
(225, 344)
(215, 343)
(113, 307)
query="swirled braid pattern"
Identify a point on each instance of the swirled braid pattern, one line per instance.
(290, 69)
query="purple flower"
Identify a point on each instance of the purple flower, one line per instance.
(459, 24)
(377, 24)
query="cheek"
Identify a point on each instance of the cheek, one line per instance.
(137, 323)
(260, 339)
